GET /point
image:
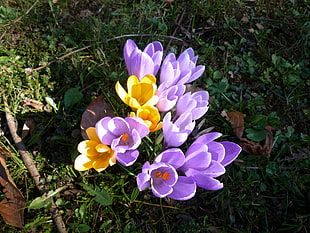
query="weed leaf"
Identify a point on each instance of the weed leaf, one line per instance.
(40, 202)
(45, 200)
(259, 148)
(100, 195)
(51, 103)
(256, 135)
(72, 96)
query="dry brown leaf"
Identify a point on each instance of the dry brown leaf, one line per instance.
(33, 103)
(236, 120)
(12, 206)
(259, 148)
(96, 110)
(259, 26)
(192, 89)
(245, 19)
(28, 128)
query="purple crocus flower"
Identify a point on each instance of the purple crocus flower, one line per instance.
(206, 159)
(124, 136)
(196, 103)
(141, 63)
(182, 70)
(168, 97)
(176, 132)
(174, 74)
(163, 178)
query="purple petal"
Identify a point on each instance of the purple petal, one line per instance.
(185, 123)
(232, 150)
(175, 139)
(185, 58)
(215, 169)
(155, 51)
(184, 76)
(197, 157)
(173, 156)
(129, 47)
(217, 150)
(167, 74)
(141, 64)
(105, 136)
(206, 138)
(127, 158)
(138, 124)
(136, 140)
(184, 189)
(161, 190)
(204, 181)
(202, 100)
(196, 73)
(185, 104)
(146, 166)
(118, 126)
(168, 97)
(143, 181)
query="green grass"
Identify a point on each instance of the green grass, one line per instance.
(256, 55)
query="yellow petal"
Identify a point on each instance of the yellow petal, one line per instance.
(112, 160)
(120, 91)
(82, 163)
(152, 101)
(151, 117)
(157, 127)
(131, 81)
(101, 148)
(132, 102)
(88, 147)
(101, 164)
(149, 79)
(92, 134)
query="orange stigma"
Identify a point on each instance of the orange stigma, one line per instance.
(124, 137)
(165, 175)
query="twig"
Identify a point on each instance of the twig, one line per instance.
(22, 148)
(31, 166)
(29, 70)
(60, 58)
(231, 28)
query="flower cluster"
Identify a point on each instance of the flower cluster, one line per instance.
(164, 105)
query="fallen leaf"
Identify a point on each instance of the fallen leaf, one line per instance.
(192, 89)
(259, 26)
(259, 148)
(236, 120)
(245, 19)
(12, 206)
(96, 110)
(28, 128)
(33, 103)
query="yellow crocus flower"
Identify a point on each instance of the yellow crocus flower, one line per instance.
(151, 117)
(94, 154)
(140, 93)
